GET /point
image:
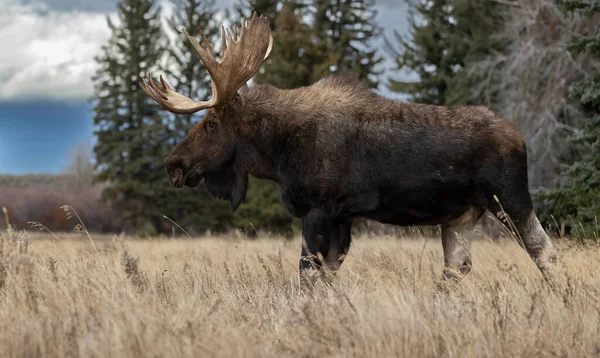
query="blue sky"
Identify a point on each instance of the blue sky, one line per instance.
(35, 136)
(45, 76)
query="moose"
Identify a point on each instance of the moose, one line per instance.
(340, 151)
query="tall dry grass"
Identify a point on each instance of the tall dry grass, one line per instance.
(230, 297)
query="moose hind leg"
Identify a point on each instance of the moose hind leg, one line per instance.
(538, 245)
(456, 242)
(512, 204)
(532, 236)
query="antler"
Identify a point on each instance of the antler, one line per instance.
(241, 59)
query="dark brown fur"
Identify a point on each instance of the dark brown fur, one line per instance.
(340, 151)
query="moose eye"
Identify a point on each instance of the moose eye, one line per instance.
(210, 126)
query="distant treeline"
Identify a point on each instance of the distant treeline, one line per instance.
(61, 182)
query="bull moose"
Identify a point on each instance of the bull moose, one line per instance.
(340, 151)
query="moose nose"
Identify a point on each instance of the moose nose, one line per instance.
(175, 171)
(176, 178)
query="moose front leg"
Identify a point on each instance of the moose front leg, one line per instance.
(316, 231)
(325, 243)
(339, 244)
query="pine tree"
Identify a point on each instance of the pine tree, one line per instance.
(348, 28)
(196, 210)
(133, 139)
(192, 78)
(447, 38)
(576, 202)
(476, 24)
(292, 61)
(267, 8)
(426, 53)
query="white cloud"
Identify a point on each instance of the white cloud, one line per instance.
(48, 47)
(48, 54)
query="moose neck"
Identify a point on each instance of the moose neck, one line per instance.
(270, 119)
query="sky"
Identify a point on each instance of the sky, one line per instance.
(46, 65)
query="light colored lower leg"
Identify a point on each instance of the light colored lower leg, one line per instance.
(339, 244)
(336, 255)
(539, 245)
(333, 261)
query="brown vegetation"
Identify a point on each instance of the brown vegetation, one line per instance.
(229, 297)
(39, 198)
(43, 205)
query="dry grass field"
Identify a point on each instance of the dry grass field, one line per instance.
(230, 297)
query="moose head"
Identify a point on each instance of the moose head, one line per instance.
(209, 150)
